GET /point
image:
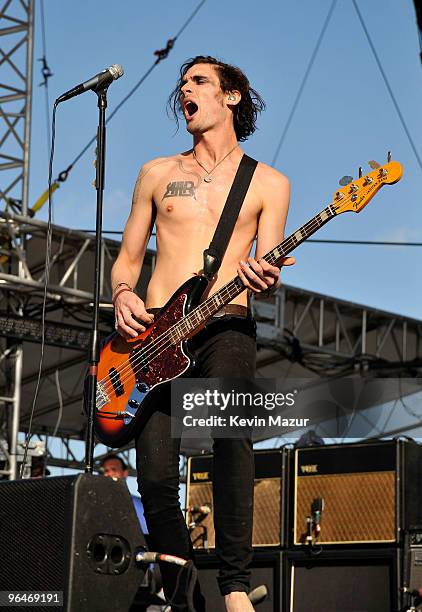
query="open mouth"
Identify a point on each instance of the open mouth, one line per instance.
(190, 109)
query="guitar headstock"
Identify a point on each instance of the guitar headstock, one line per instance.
(360, 191)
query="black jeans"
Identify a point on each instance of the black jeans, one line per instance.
(225, 348)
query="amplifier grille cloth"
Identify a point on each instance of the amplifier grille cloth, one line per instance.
(358, 507)
(266, 529)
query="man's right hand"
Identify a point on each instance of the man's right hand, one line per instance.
(130, 315)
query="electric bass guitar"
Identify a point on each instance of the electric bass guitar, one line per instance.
(131, 372)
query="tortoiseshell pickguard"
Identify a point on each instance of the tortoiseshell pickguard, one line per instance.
(161, 364)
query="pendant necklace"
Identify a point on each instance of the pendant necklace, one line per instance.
(208, 177)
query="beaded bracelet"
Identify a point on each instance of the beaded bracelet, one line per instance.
(116, 295)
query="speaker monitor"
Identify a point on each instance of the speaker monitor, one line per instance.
(371, 492)
(348, 580)
(269, 496)
(75, 534)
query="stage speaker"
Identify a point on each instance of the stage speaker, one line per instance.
(72, 534)
(269, 498)
(266, 569)
(363, 580)
(369, 493)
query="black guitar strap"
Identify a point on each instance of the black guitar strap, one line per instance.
(213, 256)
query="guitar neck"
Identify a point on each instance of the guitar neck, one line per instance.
(203, 313)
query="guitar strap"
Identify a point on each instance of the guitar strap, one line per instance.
(213, 256)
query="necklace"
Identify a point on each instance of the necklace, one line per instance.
(208, 178)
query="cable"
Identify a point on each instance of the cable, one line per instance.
(60, 398)
(305, 78)
(366, 242)
(160, 54)
(315, 240)
(46, 279)
(143, 556)
(46, 74)
(390, 91)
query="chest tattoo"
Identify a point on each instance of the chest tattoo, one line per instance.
(182, 189)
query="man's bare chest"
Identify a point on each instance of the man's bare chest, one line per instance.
(184, 197)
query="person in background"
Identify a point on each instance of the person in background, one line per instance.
(114, 466)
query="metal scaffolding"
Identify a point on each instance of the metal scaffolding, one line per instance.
(326, 334)
(16, 48)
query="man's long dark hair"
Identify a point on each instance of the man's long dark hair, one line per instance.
(231, 79)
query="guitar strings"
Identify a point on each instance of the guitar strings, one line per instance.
(157, 348)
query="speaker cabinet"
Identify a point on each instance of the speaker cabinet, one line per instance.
(75, 534)
(266, 569)
(348, 581)
(269, 497)
(371, 492)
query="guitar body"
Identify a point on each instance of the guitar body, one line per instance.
(132, 372)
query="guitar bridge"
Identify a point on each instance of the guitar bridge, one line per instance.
(102, 395)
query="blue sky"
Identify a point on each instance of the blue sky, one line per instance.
(345, 117)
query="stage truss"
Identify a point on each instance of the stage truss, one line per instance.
(300, 334)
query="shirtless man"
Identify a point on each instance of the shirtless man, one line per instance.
(184, 196)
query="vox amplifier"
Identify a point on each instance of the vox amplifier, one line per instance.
(269, 498)
(357, 493)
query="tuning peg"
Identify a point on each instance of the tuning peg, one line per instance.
(374, 164)
(360, 171)
(345, 180)
(388, 157)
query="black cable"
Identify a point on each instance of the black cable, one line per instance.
(187, 22)
(366, 242)
(161, 54)
(316, 240)
(305, 78)
(46, 74)
(46, 279)
(390, 91)
(185, 565)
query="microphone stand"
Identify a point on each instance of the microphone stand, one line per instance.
(94, 352)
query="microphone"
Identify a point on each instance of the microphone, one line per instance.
(103, 79)
(317, 508)
(199, 509)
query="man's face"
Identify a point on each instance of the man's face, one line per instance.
(202, 100)
(113, 467)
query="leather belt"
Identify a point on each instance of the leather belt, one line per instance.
(232, 310)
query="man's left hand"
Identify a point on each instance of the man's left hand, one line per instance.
(259, 276)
